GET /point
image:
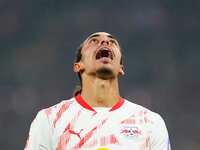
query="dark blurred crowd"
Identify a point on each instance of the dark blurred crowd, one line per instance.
(160, 43)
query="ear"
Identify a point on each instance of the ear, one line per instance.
(77, 67)
(121, 72)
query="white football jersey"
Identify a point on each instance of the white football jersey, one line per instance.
(74, 125)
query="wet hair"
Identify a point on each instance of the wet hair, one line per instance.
(78, 59)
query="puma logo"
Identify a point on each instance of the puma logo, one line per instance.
(78, 134)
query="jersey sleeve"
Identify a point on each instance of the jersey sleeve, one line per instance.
(40, 136)
(159, 138)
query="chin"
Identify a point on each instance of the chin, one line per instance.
(105, 73)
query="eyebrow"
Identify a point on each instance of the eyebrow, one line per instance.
(112, 37)
(96, 35)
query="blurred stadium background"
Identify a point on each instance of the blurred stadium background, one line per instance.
(160, 41)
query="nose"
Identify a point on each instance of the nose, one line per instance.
(104, 42)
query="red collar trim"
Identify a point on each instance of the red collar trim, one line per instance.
(85, 105)
(118, 105)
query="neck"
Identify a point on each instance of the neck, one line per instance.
(100, 93)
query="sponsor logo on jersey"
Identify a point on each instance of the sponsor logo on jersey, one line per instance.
(75, 133)
(131, 132)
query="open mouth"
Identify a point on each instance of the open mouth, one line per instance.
(104, 53)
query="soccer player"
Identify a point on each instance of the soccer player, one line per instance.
(97, 118)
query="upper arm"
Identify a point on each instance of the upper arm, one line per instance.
(159, 138)
(40, 136)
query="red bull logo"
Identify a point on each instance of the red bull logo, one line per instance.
(131, 132)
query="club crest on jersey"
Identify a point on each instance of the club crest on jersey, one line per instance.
(131, 132)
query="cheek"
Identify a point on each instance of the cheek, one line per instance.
(118, 57)
(88, 61)
(86, 56)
